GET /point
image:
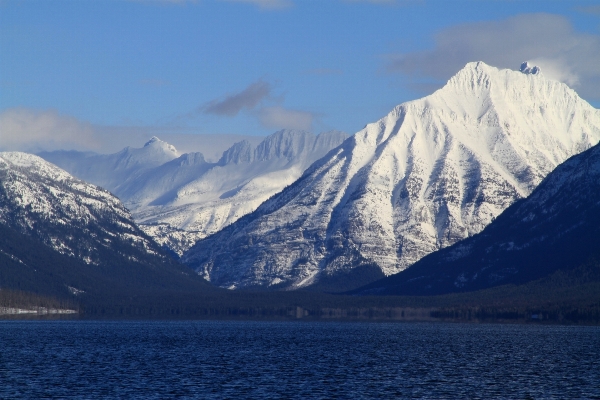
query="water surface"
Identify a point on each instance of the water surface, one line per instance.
(248, 359)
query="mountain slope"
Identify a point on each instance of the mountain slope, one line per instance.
(557, 227)
(60, 235)
(432, 172)
(70, 216)
(178, 200)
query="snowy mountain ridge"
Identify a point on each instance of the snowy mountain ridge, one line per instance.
(236, 186)
(113, 171)
(432, 172)
(70, 216)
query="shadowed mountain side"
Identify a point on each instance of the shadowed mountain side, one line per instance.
(28, 267)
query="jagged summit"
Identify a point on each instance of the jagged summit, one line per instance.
(240, 152)
(285, 143)
(528, 69)
(188, 159)
(430, 173)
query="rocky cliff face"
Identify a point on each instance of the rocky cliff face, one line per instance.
(432, 172)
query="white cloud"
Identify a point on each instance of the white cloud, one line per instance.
(28, 130)
(267, 4)
(279, 118)
(546, 40)
(557, 69)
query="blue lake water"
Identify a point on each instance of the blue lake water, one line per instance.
(248, 359)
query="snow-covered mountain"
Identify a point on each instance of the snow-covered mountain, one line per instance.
(71, 216)
(432, 172)
(242, 179)
(556, 227)
(180, 199)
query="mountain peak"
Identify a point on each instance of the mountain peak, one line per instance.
(477, 74)
(155, 141)
(478, 66)
(472, 77)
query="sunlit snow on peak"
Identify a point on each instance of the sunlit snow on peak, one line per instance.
(161, 143)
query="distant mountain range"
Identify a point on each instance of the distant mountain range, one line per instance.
(61, 235)
(556, 228)
(178, 199)
(431, 173)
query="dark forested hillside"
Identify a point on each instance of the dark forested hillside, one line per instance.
(26, 264)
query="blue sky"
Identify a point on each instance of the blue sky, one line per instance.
(71, 69)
